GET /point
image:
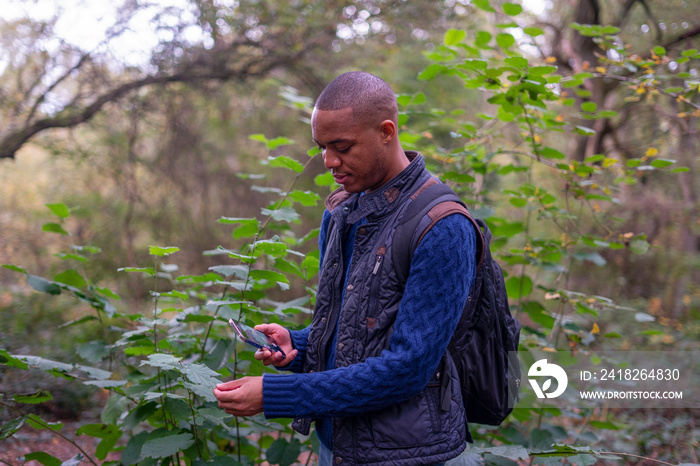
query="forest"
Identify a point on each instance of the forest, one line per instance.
(160, 179)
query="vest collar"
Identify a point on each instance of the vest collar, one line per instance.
(383, 199)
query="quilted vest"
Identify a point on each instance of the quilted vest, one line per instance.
(428, 428)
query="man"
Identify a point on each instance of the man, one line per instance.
(372, 369)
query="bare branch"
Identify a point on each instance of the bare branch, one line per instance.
(685, 36)
(239, 60)
(53, 86)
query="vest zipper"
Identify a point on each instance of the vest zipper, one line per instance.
(374, 285)
(377, 263)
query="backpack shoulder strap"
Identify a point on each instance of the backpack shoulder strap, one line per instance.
(428, 206)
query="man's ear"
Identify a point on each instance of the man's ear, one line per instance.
(388, 129)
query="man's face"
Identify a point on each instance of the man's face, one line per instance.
(355, 152)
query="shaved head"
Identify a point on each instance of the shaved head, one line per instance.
(371, 99)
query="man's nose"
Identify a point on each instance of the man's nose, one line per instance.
(330, 160)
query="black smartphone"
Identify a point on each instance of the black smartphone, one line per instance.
(256, 338)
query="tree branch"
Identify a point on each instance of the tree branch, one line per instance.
(253, 60)
(686, 35)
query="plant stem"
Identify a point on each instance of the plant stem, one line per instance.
(633, 456)
(194, 421)
(40, 421)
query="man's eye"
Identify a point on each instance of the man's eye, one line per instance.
(343, 149)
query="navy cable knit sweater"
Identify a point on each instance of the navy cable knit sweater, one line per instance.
(441, 273)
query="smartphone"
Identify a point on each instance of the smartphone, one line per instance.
(256, 338)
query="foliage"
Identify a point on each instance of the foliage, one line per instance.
(551, 215)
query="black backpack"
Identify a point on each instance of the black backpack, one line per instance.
(485, 342)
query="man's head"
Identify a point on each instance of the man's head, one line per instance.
(371, 99)
(355, 124)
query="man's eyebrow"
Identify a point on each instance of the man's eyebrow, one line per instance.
(334, 141)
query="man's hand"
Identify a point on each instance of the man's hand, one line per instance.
(284, 340)
(241, 397)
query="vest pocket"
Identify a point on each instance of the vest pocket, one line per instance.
(415, 422)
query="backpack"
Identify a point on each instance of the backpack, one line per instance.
(485, 341)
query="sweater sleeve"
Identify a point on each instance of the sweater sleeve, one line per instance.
(427, 317)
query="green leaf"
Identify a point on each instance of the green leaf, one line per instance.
(551, 153)
(512, 452)
(43, 285)
(147, 270)
(258, 137)
(106, 383)
(563, 450)
(286, 162)
(200, 374)
(43, 458)
(39, 424)
(61, 210)
(72, 278)
(273, 247)
(14, 268)
(240, 271)
(54, 228)
(164, 361)
(431, 72)
(610, 30)
(71, 256)
(512, 9)
(179, 409)
(162, 251)
(139, 350)
(458, 177)
(518, 62)
(483, 5)
(132, 453)
(284, 452)
(639, 246)
(589, 106)
(9, 360)
(533, 31)
(482, 38)
(324, 179)
(538, 314)
(659, 50)
(35, 398)
(518, 201)
(584, 131)
(9, 428)
(166, 446)
(454, 36)
(403, 99)
(270, 276)
(475, 64)
(518, 287)
(284, 214)
(273, 144)
(305, 198)
(661, 163)
(505, 40)
(507, 229)
(97, 430)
